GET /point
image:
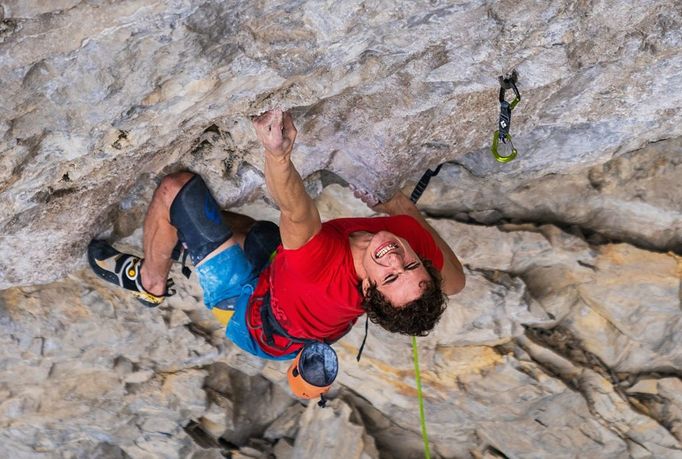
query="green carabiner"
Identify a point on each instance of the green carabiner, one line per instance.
(504, 122)
(496, 141)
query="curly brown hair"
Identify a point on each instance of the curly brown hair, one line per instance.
(416, 318)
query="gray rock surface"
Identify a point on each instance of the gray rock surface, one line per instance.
(566, 341)
(100, 98)
(330, 432)
(634, 197)
(554, 347)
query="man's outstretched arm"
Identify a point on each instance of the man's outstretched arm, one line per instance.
(299, 219)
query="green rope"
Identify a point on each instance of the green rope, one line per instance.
(425, 436)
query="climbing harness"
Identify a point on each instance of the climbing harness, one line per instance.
(315, 366)
(504, 123)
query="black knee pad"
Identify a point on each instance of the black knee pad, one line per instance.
(261, 241)
(198, 219)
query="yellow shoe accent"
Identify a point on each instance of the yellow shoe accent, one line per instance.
(222, 315)
(149, 298)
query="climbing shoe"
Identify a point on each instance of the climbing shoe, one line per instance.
(123, 269)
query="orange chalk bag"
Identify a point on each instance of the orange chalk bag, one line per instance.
(313, 371)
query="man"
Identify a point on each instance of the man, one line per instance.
(279, 288)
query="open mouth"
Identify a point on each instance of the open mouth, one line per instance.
(385, 248)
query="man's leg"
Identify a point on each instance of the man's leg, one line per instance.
(182, 208)
(148, 278)
(160, 237)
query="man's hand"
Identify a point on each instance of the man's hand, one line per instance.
(276, 131)
(397, 205)
(366, 197)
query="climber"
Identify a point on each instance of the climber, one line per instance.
(278, 288)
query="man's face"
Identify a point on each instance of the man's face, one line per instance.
(395, 268)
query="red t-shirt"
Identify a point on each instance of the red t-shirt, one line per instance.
(314, 289)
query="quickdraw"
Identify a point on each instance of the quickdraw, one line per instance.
(504, 123)
(502, 134)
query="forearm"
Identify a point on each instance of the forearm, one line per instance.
(299, 220)
(286, 188)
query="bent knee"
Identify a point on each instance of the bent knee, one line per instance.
(171, 185)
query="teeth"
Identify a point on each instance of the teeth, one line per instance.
(386, 249)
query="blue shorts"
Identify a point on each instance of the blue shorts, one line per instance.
(229, 278)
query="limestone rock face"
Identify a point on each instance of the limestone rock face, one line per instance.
(555, 348)
(100, 98)
(566, 341)
(633, 198)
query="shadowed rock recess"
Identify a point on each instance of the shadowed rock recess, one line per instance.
(565, 343)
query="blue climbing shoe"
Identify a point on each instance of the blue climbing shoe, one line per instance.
(123, 269)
